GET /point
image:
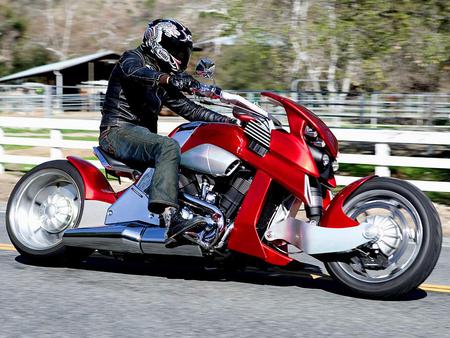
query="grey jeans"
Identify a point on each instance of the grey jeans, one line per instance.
(138, 144)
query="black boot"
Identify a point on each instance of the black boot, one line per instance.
(177, 225)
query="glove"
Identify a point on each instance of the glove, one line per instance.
(183, 82)
(235, 122)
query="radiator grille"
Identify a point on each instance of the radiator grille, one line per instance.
(258, 131)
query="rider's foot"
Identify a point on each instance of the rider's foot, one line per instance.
(177, 225)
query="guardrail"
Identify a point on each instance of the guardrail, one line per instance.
(420, 110)
(381, 139)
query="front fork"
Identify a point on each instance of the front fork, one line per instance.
(314, 193)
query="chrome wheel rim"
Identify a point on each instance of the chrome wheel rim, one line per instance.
(399, 232)
(47, 203)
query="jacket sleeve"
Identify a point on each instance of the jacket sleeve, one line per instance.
(191, 111)
(134, 69)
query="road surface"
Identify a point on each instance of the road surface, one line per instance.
(107, 297)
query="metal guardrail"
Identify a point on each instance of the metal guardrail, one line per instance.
(423, 110)
(381, 139)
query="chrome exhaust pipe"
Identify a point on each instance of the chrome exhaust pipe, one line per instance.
(136, 238)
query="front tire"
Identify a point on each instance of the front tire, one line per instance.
(408, 245)
(44, 203)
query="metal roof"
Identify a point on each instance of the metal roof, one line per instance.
(58, 65)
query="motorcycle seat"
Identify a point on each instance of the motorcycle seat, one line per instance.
(114, 166)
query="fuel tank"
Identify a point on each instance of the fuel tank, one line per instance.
(204, 158)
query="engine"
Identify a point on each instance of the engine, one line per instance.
(217, 199)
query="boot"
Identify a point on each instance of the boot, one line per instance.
(176, 225)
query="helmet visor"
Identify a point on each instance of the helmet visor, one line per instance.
(183, 55)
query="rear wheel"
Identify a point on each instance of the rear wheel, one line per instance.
(409, 238)
(45, 202)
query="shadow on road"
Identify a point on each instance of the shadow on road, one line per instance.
(189, 268)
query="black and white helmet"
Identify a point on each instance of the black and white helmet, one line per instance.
(170, 42)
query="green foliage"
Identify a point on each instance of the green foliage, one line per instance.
(150, 4)
(23, 55)
(361, 170)
(252, 65)
(421, 173)
(439, 197)
(26, 57)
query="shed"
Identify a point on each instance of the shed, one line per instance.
(71, 72)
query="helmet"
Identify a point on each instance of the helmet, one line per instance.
(170, 42)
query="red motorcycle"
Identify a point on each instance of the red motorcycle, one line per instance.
(378, 237)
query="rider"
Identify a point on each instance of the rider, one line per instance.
(143, 80)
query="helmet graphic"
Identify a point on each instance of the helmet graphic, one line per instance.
(170, 42)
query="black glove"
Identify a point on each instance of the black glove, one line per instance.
(235, 122)
(183, 82)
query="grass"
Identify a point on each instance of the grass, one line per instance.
(25, 130)
(404, 173)
(14, 147)
(81, 138)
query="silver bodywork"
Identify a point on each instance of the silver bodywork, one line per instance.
(182, 135)
(94, 213)
(132, 206)
(210, 159)
(313, 239)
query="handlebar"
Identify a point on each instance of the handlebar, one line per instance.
(214, 92)
(204, 90)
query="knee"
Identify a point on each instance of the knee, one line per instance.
(170, 149)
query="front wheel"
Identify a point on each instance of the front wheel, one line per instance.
(409, 239)
(44, 203)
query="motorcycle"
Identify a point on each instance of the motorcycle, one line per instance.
(378, 237)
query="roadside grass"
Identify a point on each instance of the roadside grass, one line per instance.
(25, 131)
(404, 173)
(81, 138)
(14, 147)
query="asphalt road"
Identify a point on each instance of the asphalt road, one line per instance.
(107, 297)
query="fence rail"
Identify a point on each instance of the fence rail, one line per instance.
(422, 110)
(381, 139)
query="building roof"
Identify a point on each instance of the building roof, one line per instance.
(58, 65)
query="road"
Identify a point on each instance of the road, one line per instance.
(107, 297)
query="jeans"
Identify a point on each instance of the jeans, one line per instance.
(132, 143)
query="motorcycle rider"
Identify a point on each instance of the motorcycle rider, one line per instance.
(143, 80)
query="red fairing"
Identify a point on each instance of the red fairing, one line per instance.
(244, 237)
(297, 113)
(287, 161)
(334, 216)
(96, 186)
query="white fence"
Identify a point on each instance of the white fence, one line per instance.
(381, 139)
(420, 110)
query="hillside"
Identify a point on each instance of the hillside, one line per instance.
(336, 45)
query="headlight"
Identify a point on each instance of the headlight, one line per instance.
(325, 160)
(311, 133)
(335, 166)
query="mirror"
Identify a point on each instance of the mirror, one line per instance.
(205, 68)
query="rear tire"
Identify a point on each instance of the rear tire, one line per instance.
(409, 246)
(45, 202)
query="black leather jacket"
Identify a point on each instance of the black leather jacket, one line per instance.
(135, 96)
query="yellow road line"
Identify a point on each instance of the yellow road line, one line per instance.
(7, 247)
(435, 288)
(425, 287)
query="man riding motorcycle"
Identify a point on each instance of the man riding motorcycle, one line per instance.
(143, 80)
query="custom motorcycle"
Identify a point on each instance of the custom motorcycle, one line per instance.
(378, 237)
